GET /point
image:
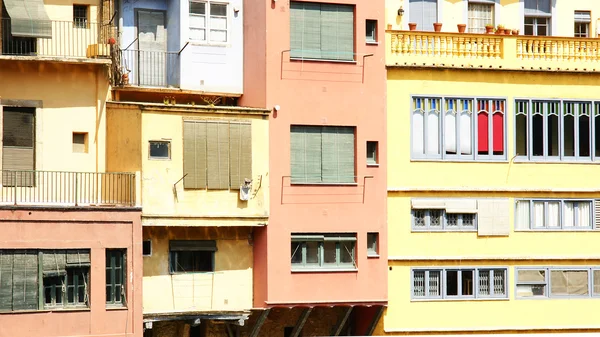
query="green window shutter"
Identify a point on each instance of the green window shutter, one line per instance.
(306, 154)
(240, 153)
(18, 146)
(305, 30)
(218, 155)
(25, 281)
(337, 32)
(338, 154)
(6, 280)
(194, 154)
(346, 154)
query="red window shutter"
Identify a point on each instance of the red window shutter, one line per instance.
(498, 127)
(482, 132)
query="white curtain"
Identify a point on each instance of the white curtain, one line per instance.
(522, 218)
(465, 132)
(553, 220)
(417, 132)
(569, 210)
(433, 137)
(450, 132)
(538, 214)
(583, 214)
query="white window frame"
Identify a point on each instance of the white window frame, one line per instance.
(525, 107)
(207, 28)
(561, 226)
(583, 23)
(547, 283)
(447, 106)
(444, 227)
(481, 30)
(443, 276)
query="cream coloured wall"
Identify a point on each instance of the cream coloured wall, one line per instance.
(506, 175)
(62, 10)
(483, 315)
(453, 12)
(62, 111)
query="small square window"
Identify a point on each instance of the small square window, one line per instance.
(80, 16)
(372, 155)
(147, 248)
(80, 142)
(372, 244)
(160, 149)
(371, 33)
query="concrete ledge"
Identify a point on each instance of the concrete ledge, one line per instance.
(55, 59)
(235, 110)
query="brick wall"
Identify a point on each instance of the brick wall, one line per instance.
(321, 321)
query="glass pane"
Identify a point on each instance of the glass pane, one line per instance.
(531, 290)
(583, 214)
(197, 7)
(467, 282)
(218, 23)
(538, 214)
(553, 220)
(218, 9)
(569, 282)
(531, 276)
(522, 216)
(347, 252)
(159, 149)
(452, 282)
(499, 282)
(198, 34)
(451, 220)
(435, 218)
(312, 253)
(596, 282)
(468, 220)
(296, 253)
(197, 21)
(484, 283)
(330, 252)
(419, 217)
(218, 35)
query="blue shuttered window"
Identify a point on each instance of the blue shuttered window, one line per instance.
(321, 31)
(423, 13)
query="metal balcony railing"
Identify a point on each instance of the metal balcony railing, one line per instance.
(59, 188)
(490, 50)
(149, 68)
(71, 39)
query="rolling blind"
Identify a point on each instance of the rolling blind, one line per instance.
(25, 281)
(18, 126)
(28, 18)
(321, 31)
(538, 8)
(6, 280)
(240, 153)
(322, 154)
(423, 13)
(194, 154)
(217, 145)
(583, 16)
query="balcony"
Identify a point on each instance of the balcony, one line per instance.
(58, 39)
(143, 68)
(56, 188)
(490, 51)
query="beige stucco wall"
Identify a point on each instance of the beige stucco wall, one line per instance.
(228, 288)
(63, 112)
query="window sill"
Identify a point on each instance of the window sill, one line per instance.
(116, 307)
(324, 270)
(469, 230)
(373, 256)
(324, 184)
(159, 159)
(458, 299)
(373, 43)
(46, 310)
(438, 160)
(209, 44)
(190, 272)
(373, 165)
(297, 59)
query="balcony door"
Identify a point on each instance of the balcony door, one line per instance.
(423, 13)
(152, 48)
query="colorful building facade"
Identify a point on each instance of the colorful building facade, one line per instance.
(492, 141)
(70, 250)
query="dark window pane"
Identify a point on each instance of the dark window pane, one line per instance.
(198, 8)
(467, 282)
(312, 252)
(296, 253)
(329, 253)
(452, 283)
(159, 149)
(194, 261)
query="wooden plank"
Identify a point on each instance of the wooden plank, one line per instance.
(342, 322)
(301, 321)
(261, 320)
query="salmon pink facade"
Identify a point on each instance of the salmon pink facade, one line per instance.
(320, 67)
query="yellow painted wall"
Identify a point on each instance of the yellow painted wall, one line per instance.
(402, 173)
(509, 314)
(62, 10)
(228, 288)
(454, 12)
(63, 111)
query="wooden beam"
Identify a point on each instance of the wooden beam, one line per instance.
(376, 319)
(301, 321)
(229, 331)
(342, 322)
(261, 320)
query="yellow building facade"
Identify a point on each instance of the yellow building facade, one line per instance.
(493, 141)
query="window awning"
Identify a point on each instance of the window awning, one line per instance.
(28, 18)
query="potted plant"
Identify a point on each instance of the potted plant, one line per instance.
(389, 26)
(412, 26)
(111, 40)
(500, 30)
(437, 26)
(461, 27)
(507, 31)
(515, 32)
(489, 28)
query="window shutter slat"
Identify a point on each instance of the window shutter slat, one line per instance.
(78, 257)
(345, 30)
(306, 30)
(218, 155)
(423, 13)
(346, 155)
(54, 262)
(296, 28)
(25, 281)
(194, 154)
(313, 155)
(223, 155)
(6, 279)
(331, 160)
(298, 154)
(597, 213)
(235, 152)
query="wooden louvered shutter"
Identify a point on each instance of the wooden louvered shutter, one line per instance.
(194, 154)
(25, 281)
(240, 153)
(6, 279)
(338, 154)
(217, 155)
(18, 127)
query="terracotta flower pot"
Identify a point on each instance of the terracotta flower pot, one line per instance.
(125, 78)
(515, 32)
(461, 27)
(506, 31)
(489, 30)
(389, 26)
(437, 27)
(111, 40)
(412, 26)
